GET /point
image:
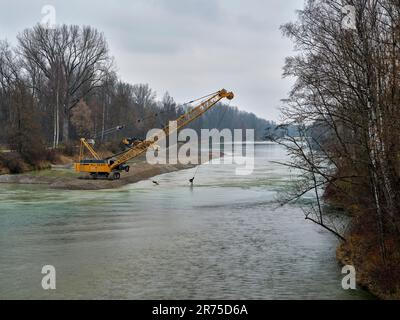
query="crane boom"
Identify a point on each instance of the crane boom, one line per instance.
(86, 144)
(182, 121)
(104, 167)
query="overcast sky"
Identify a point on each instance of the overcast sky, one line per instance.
(187, 47)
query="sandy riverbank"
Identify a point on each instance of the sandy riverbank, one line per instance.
(65, 178)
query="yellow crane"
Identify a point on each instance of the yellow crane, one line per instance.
(111, 168)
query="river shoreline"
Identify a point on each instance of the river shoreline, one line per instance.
(66, 179)
(343, 256)
(63, 176)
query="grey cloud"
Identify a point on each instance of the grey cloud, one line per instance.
(186, 47)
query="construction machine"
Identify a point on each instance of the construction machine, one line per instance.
(111, 167)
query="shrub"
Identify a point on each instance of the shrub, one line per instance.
(69, 149)
(15, 165)
(53, 156)
(12, 162)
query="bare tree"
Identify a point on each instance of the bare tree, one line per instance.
(348, 85)
(74, 60)
(144, 96)
(9, 73)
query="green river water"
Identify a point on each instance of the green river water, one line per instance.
(222, 239)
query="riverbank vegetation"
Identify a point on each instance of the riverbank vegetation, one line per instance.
(346, 100)
(57, 85)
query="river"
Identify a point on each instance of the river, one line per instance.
(221, 239)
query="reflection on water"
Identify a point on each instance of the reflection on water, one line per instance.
(222, 239)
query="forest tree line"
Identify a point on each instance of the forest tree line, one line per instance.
(346, 100)
(57, 85)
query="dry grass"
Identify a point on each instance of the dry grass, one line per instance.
(380, 276)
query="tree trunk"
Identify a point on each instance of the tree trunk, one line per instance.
(65, 135)
(103, 120)
(55, 128)
(58, 125)
(56, 132)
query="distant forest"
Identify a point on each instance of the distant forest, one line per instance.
(57, 85)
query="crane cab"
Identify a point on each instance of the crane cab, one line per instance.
(100, 168)
(97, 167)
